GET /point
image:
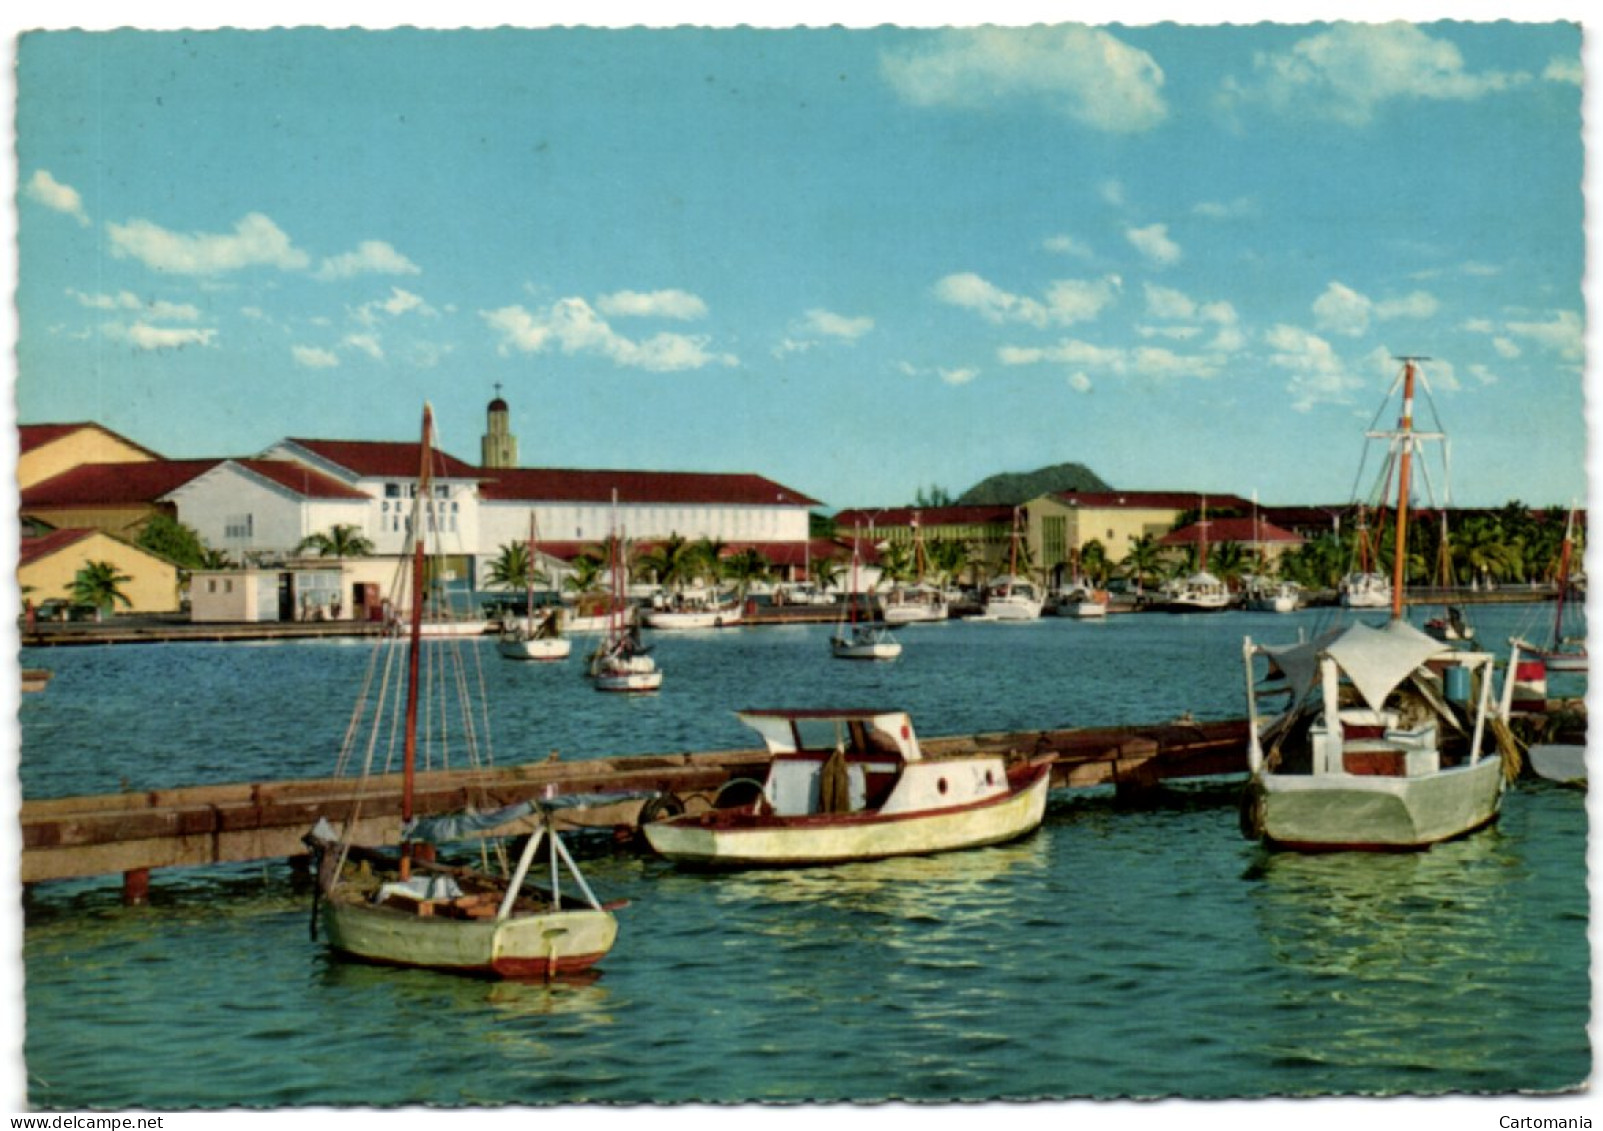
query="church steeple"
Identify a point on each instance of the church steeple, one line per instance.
(499, 447)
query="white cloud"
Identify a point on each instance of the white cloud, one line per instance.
(1317, 374)
(51, 193)
(1235, 209)
(1566, 70)
(1169, 304)
(1112, 192)
(1416, 305)
(1153, 362)
(314, 357)
(147, 337)
(989, 301)
(1067, 300)
(1346, 73)
(574, 327)
(1506, 347)
(1563, 333)
(371, 257)
(959, 376)
(127, 300)
(255, 242)
(398, 303)
(831, 325)
(653, 304)
(364, 343)
(1067, 245)
(1153, 242)
(1079, 382)
(1084, 73)
(1342, 310)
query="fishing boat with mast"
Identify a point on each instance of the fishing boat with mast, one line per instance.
(1012, 597)
(1387, 740)
(537, 635)
(622, 661)
(1564, 651)
(397, 902)
(1365, 586)
(921, 601)
(859, 636)
(1199, 591)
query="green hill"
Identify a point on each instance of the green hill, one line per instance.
(1014, 487)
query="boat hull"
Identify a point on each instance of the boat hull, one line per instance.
(1559, 761)
(913, 614)
(537, 651)
(1367, 812)
(527, 946)
(707, 618)
(838, 839)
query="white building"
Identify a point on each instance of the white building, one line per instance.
(261, 510)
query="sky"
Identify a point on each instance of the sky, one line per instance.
(863, 261)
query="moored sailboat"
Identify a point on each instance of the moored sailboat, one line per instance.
(1387, 740)
(407, 908)
(621, 661)
(858, 637)
(1012, 597)
(1563, 652)
(536, 636)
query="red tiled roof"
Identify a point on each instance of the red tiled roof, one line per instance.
(384, 458)
(32, 549)
(546, 484)
(115, 484)
(31, 436)
(1157, 500)
(983, 515)
(301, 479)
(1221, 530)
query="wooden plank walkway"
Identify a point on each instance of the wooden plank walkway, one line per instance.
(133, 833)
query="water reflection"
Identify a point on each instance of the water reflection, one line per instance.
(1397, 963)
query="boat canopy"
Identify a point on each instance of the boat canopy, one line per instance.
(447, 828)
(792, 731)
(1375, 660)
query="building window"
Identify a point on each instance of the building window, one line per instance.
(238, 527)
(211, 585)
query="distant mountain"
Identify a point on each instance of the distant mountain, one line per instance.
(1015, 487)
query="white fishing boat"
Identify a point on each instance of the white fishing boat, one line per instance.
(919, 602)
(537, 635)
(406, 908)
(1364, 586)
(855, 785)
(1266, 595)
(1386, 740)
(696, 614)
(1012, 597)
(859, 637)
(1080, 602)
(621, 661)
(1198, 592)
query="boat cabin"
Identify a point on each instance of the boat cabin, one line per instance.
(874, 755)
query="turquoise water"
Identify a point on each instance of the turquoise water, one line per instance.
(1121, 952)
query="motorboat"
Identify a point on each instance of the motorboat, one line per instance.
(855, 785)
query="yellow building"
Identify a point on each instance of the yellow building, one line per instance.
(45, 451)
(48, 563)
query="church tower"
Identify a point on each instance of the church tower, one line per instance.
(498, 447)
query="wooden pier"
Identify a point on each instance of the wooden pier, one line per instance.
(133, 833)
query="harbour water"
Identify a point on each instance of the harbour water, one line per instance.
(1123, 951)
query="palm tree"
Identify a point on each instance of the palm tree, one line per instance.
(674, 562)
(709, 553)
(342, 540)
(950, 557)
(514, 569)
(1094, 562)
(896, 563)
(825, 572)
(96, 585)
(588, 576)
(1143, 561)
(745, 569)
(1230, 561)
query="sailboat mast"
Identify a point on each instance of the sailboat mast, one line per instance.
(1405, 433)
(419, 579)
(1563, 577)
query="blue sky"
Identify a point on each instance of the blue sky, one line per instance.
(860, 261)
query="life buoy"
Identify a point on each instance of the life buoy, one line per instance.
(660, 808)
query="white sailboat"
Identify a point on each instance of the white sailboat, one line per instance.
(858, 638)
(1365, 586)
(1557, 747)
(408, 909)
(1201, 591)
(536, 636)
(1386, 741)
(1012, 597)
(1563, 651)
(920, 601)
(621, 662)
